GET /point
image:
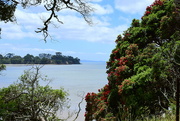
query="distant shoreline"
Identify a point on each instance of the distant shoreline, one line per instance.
(37, 64)
(43, 58)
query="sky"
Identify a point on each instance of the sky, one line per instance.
(74, 37)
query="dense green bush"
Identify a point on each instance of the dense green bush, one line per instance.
(27, 100)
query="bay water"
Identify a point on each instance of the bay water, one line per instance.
(77, 80)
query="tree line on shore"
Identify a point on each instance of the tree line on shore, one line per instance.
(43, 58)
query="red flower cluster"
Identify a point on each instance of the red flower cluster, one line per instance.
(123, 84)
(147, 13)
(116, 51)
(106, 87)
(131, 50)
(118, 38)
(96, 103)
(91, 105)
(133, 46)
(122, 61)
(120, 69)
(158, 2)
(105, 93)
(127, 34)
(149, 8)
(90, 96)
(105, 96)
(110, 74)
(120, 89)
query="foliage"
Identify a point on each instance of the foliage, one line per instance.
(28, 100)
(2, 67)
(141, 70)
(11, 58)
(8, 7)
(166, 117)
(177, 55)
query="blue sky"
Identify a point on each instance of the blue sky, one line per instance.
(74, 37)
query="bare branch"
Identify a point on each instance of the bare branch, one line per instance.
(83, 8)
(56, 5)
(160, 103)
(48, 21)
(13, 98)
(165, 94)
(79, 106)
(80, 6)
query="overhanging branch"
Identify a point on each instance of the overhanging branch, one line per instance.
(80, 7)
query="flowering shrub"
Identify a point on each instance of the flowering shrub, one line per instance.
(137, 69)
(155, 6)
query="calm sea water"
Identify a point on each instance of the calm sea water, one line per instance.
(76, 79)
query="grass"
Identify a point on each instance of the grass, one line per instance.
(167, 117)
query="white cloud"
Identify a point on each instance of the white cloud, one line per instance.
(101, 53)
(14, 31)
(27, 23)
(21, 50)
(96, 33)
(74, 28)
(69, 52)
(37, 50)
(132, 6)
(95, 0)
(101, 10)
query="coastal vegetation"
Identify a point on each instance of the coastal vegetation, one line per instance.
(27, 100)
(2, 67)
(143, 69)
(43, 58)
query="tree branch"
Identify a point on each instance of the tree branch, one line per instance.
(79, 106)
(46, 23)
(81, 8)
(15, 97)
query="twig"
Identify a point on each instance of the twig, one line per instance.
(79, 106)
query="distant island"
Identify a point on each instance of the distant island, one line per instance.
(43, 58)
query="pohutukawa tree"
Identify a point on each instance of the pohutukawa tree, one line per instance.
(141, 69)
(8, 7)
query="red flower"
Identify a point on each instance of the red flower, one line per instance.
(148, 8)
(157, 2)
(87, 96)
(147, 13)
(127, 34)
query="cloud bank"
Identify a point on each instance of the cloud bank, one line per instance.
(74, 26)
(132, 6)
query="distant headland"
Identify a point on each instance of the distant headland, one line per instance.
(43, 58)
